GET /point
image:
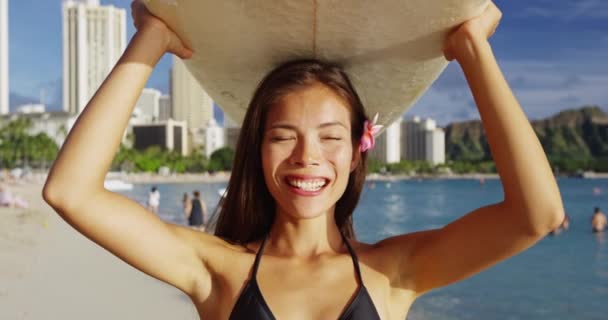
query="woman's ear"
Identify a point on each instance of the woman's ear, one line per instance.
(356, 158)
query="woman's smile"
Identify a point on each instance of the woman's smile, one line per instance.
(306, 185)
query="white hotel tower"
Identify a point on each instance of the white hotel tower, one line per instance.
(94, 37)
(4, 107)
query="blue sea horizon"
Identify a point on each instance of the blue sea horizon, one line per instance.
(561, 277)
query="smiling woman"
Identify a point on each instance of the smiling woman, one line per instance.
(307, 120)
(284, 245)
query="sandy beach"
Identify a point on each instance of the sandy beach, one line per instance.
(49, 271)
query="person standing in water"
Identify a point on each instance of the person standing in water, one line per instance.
(154, 199)
(197, 216)
(598, 220)
(186, 204)
(300, 166)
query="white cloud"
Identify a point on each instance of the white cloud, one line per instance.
(590, 8)
(567, 10)
(542, 89)
(537, 12)
(554, 86)
(445, 106)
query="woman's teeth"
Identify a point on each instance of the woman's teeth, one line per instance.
(307, 185)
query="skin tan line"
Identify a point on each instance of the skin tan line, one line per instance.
(306, 271)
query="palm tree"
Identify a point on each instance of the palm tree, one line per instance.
(14, 135)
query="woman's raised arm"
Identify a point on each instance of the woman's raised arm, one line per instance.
(532, 204)
(74, 187)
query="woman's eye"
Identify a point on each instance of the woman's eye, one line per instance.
(332, 138)
(281, 138)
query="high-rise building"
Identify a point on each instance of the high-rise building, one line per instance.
(164, 104)
(148, 105)
(4, 93)
(388, 144)
(214, 137)
(169, 135)
(412, 140)
(231, 132)
(189, 101)
(232, 136)
(422, 140)
(94, 38)
(228, 122)
(435, 146)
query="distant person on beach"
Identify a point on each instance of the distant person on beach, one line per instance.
(154, 199)
(285, 226)
(8, 199)
(598, 220)
(197, 215)
(186, 204)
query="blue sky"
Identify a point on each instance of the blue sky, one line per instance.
(553, 52)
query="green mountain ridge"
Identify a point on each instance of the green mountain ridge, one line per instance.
(575, 139)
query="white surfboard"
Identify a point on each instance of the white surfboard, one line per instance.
(391, 49)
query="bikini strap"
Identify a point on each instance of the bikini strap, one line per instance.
(258, 256)
(353, 255)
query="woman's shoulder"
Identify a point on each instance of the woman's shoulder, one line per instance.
(383, 246)
(375, 255)
(208, 244)
(386, 255)
(220, 256)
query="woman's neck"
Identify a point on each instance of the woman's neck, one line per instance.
(304, 238)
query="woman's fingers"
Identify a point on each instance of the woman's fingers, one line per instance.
(142, 18)
(177, 47)
(183, 53)
(482, 26)
(139, 13)
(491, 18)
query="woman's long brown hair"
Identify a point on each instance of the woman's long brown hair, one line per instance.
(247, 211)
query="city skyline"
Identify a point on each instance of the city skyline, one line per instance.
(551, 53)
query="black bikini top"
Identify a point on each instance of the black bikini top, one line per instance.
(252, 306)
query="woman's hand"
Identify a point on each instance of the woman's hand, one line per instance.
(480, 28)
(144, 21)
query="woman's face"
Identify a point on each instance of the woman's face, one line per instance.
(307, 152)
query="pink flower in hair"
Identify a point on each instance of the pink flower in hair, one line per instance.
(370, 129)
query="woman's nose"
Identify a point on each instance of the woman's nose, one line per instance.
(306, 153)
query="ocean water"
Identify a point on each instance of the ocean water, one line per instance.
(561, 277)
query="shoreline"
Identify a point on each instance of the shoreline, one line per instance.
(224, 177)
(146, 178)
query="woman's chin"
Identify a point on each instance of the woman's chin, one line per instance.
(307, 212)
(308, 215)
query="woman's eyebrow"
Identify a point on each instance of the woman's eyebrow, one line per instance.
(282, 126)
(292, 127)
(333, 123)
